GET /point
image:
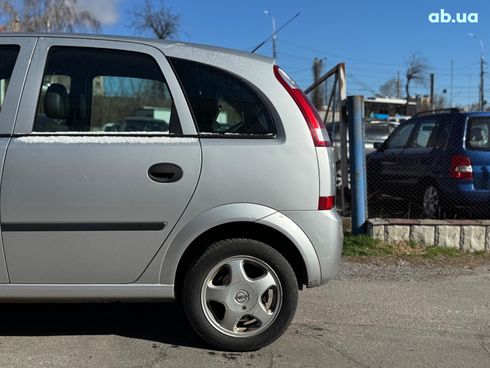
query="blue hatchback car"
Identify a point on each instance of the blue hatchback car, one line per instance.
(440, 161)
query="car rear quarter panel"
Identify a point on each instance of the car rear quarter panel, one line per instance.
(246, 179)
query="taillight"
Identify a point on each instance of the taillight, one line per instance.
(315, 124)
(326, 203)
(461, 168)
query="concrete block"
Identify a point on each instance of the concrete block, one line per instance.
(378, 232)
(487, 246)
(423, 235)
(473, 238)
(397, 233)
(433, 222)
(448, 236)
(378, 221)
(398, 221)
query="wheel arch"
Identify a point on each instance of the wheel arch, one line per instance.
(242, 229)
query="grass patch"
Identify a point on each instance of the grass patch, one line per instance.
(363, 245)
(439, 252)
(363, 248)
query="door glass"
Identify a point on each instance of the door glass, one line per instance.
(425, 130)
(478, 135)
(106, 91)
(400, 137)
(8, 56)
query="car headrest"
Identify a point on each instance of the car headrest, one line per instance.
(56, 103)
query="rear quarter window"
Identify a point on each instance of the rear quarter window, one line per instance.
(221, 102)
(478, 133)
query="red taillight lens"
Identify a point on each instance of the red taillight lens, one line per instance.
(317, 128)
(461, 168)
(326, 203)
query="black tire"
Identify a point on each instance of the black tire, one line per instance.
(439, 208)
(200, 312)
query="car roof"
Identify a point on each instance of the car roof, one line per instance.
(478, 113)
(169, 47)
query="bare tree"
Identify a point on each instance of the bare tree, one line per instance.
(45, 16)
(417, 67)
(389, 88)
(156, 19)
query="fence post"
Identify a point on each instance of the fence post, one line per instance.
(357, 158)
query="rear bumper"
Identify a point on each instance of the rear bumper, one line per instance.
(324, 231)
(464, 195)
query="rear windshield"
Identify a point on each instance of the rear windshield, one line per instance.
(478, 134)
(8, 56)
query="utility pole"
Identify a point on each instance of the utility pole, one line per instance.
(274, 38)
(432, 106)
(482, 72)
(451, 86)
(318, 93)
(482, 82)
(469, 92)
(398, 86)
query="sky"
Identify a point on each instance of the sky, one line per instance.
(374, 38)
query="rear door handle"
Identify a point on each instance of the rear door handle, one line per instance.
(165, 173)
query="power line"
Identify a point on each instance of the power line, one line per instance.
(337, 55)
(275, 33)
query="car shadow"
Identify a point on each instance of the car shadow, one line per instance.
(158, 322)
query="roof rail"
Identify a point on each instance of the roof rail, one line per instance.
(431, 112)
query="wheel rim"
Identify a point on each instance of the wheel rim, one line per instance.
(431, 201)
(241, 296)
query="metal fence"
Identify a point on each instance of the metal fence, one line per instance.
(329, 94)
(435, 165)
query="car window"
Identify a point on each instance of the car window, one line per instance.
(102, 90)
(400, 136)
(8, 56)
(377, 133)
(478, 136)
(424, 131)
(221, 102)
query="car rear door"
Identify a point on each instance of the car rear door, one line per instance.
(416, 161)
(81, 201)
(384, 169)
(15, 56)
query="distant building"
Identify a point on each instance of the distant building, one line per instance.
(383, 108)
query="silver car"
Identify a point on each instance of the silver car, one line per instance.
(227, 204)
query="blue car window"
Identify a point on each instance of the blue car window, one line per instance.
(478, 134)
(400, 137)
(424, 132)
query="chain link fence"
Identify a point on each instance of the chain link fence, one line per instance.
(435, 165)
(328, 94)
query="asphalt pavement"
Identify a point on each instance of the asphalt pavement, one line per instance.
(439, 320)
